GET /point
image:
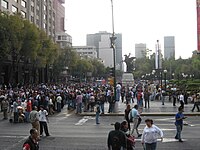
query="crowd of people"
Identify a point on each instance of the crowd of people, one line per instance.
(34, 103)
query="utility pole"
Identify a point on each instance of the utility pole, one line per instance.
(112, 40)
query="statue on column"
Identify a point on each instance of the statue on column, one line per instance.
(129, 63)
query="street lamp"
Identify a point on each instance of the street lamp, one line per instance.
(165, 73)
(112, 40)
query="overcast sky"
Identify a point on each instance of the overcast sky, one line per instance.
(139, 21)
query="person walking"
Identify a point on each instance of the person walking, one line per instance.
(196, 100)
(150, 135)
(43, 119)
(179, 123)
(34, 120)
(116, 139)
(134, 117)
(126, 115)
(146, 98)
(181, 99)
(31, 142)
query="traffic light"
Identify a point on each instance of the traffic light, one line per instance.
(112, 72)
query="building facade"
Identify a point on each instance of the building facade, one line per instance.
(169, 47)
(39, 12)
(86, 51)
(102, 43)
(62, 38)
(140, 50)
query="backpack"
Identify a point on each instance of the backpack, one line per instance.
(116, 143)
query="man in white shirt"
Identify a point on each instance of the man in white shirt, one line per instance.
(150, 135)
(43, 119)
(181, 99)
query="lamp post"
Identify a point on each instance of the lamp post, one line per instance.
(165, 75)
(112, 40)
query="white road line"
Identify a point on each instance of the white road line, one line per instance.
(165, 140)
(81, 122)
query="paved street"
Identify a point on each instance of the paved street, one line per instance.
(74, 132)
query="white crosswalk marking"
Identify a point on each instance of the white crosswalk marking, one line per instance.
(84, 120)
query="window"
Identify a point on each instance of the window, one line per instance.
(32, 8)
(37, 12)
(23, 3)
(59, 37)
(4, 4)
(14, 9)
(44, 25)
(32, 19)
(45, 8)
(64, 37)
(45, 16)
(23, 14)
(16, 1)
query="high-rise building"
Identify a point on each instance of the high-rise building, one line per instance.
(39, 12)
(140, 50)
(62, 38)
(102, 43)
(48, 15)
(169, 47)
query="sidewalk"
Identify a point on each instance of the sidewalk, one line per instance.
(156, 109)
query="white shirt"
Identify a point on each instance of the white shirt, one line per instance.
(181, 97)
(150, 135)
(43, 115)
(134, 113)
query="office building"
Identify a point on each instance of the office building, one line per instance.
(39, 12)
(140, 50)
(62, 38)
(169, 47)
(102, 43)
(86, 51)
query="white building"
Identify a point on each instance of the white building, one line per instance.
(102, 43)
(63, 39)
(86, 51)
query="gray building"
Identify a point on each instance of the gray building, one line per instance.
(102, 43)
(140, 50)
(48, 15)
(62, 38)
(169, 47)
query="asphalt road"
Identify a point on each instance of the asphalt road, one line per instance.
(72, 132)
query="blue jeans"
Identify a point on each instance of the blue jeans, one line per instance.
(150, 146)
(27, 116)
(79, 108)
(178, 131)
(102, 107)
